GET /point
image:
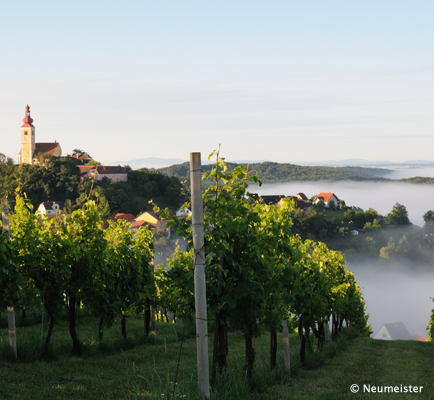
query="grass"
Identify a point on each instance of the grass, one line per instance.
(365, 361)
(142, 368)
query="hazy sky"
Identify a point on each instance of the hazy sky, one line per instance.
(286, 81)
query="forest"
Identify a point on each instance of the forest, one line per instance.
(57, 179)
(272, 172)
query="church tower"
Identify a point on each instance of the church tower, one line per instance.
(27, 139)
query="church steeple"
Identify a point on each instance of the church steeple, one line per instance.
(27, 119)
(27, 139)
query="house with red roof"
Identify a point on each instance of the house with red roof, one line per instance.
(124, 216)
(326, 198)
(138, 224)
(154, 221)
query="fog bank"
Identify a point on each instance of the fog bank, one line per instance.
(397, 293)
(409, 172)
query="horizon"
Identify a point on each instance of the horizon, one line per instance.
(288, 82)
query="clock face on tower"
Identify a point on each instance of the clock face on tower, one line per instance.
(25, 137)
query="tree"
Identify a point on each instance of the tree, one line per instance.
(129, 256)
(84, 244)
(78, 152)
(428, 217)
(38, 253)
(319, 206)
(398, 215)
(94, 163)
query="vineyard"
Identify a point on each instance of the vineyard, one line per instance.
(259, 276)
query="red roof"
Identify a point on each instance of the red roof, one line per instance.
(126, 217)
(45, 148)
(326, 196)
(138, 224)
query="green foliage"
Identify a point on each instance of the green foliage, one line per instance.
(10, 279)
(419, 180)
(313, 225)
(53, 179)
(398, 215)
(319, 206)
(94, 163)
(176, 284)
(332, 205)
(362, 219)
(372, 226)
(428, 217)
(128, 274)
(430, 327)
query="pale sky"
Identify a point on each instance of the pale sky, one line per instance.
(286, 81)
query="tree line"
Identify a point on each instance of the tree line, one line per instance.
(58, 179)
(272, 172)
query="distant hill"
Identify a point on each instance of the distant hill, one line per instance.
(158, 162)
(148, 162)
(367, 163)
(271, 172)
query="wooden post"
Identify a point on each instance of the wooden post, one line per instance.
(11, 312)
(286, 356)
(42, 323)
(199, 274)
(153, 325)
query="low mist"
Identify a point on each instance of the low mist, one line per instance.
(397, 293)
(409, 172)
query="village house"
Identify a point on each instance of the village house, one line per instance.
(138, 224)
(183, 212)
(50, 207)
(301, 196)
(326, 198)
(393, 331)
(297, 202)
(271, 199)
(154, 221)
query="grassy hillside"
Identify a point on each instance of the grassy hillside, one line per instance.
(271, 172)
(132, 369)
(365, 361)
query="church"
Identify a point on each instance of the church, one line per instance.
(30, 149)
